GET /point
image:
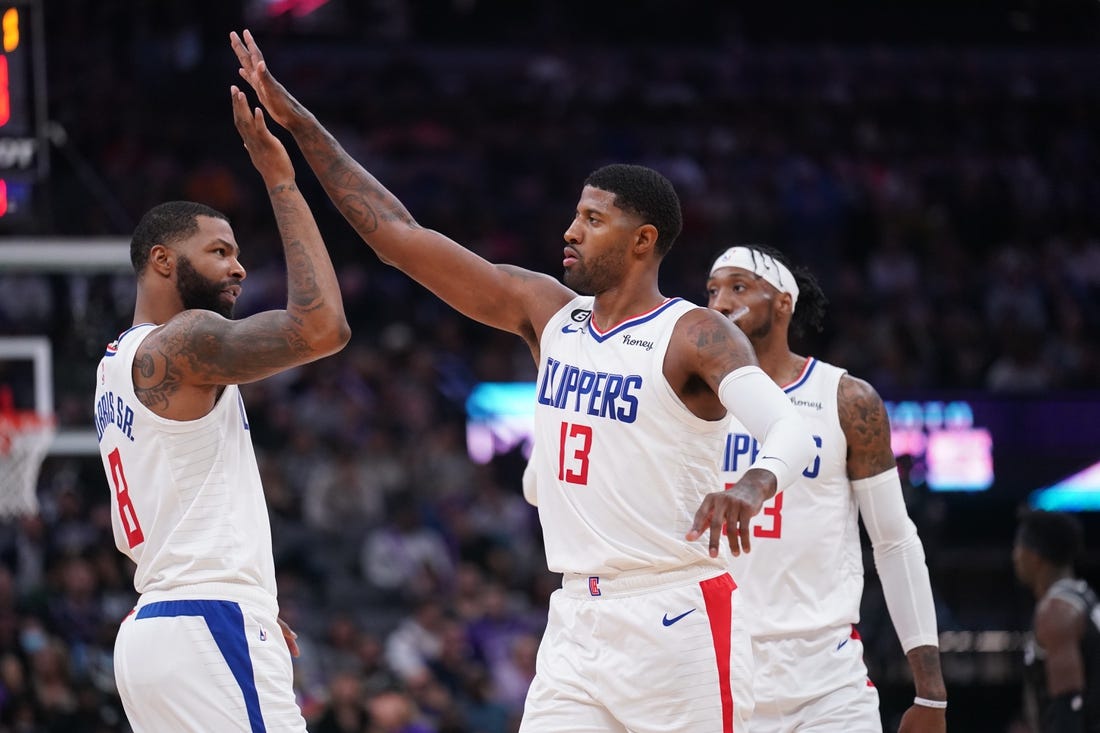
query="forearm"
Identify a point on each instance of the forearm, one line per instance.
(924, 662)
(314, 303)
(375, 213)
(899, 559)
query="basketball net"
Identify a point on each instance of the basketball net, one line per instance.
(25, 438)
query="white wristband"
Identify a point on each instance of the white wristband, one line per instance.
(924, 702)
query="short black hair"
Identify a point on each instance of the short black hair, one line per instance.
(1056, 537)
(164, 224)
(809, 311)
(645, 193)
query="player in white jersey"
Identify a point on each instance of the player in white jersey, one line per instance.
(633, 394)
(204, 648)
(807, 568)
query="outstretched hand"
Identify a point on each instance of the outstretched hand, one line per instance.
(278, 102)
(733, 510)
(268, 154)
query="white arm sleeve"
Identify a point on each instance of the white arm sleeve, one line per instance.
(899, 559)
(786, 446)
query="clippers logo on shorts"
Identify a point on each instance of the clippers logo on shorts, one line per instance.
(594, 586)
(599, 394)
(580, 315)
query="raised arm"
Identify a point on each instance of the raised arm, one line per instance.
(714, 370)
(509, 298)
(180, 365)
(898, 552)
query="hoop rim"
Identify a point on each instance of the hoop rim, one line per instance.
(26, 421)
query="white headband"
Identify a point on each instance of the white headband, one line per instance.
(762, 265)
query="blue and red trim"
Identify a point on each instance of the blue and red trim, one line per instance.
(803, 377)
(649, 315)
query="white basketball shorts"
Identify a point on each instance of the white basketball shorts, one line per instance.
(198, 666)
(654, 653)
(814, 684)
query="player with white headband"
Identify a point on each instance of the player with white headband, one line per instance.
(807, 561)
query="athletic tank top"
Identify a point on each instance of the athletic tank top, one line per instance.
(805, 570)
(187, 504)
(621, 463)
(1077, 593)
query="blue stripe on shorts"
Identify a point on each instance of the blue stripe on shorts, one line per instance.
(226, 624)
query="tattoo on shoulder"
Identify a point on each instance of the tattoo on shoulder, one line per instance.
(714, 347)
(867, 427)
(156, 378)
(167, 357)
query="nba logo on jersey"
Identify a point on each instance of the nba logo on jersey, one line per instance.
(263, 634)
(594, 585)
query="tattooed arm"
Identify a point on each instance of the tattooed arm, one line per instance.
(899, 554)
(180, 367)
(508, 298)
(712, 366)
(866, 426)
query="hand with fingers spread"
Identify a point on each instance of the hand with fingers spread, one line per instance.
(275, 98)
(268, 154)
(733, 510)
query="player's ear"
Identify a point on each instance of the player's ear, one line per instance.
(162, 260)
(645, 239)
(783, 304)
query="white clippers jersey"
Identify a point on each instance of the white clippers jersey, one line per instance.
(622, 465)
(805, 571)
(186, 499)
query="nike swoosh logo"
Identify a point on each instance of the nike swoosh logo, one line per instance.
(841, 645)
(570, 329)
(670, 621)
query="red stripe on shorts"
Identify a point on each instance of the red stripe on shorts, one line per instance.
(717, 595)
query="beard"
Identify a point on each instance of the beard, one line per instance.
(593, 278)
(196, 292)
(758, 332)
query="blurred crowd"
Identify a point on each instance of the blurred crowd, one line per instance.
(944, 197)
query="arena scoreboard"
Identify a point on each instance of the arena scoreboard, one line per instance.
(24, 153)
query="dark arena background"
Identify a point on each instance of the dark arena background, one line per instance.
(935, 163)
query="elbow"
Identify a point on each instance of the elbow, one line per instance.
(339, 335)
(803, 444)
(330, 338)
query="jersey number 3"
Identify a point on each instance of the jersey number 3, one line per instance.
(774, 512)
(573, 450)
(126, 513)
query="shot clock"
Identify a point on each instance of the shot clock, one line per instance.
(23, 151)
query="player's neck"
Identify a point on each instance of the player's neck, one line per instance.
(145, 312)
(612, 307)
(1048, 578)
(778, 361)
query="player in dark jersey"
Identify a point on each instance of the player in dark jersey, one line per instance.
(1062, 656)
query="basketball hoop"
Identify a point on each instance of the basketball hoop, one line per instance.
(25, 438)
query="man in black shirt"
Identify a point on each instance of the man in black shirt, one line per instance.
(1062, 657)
